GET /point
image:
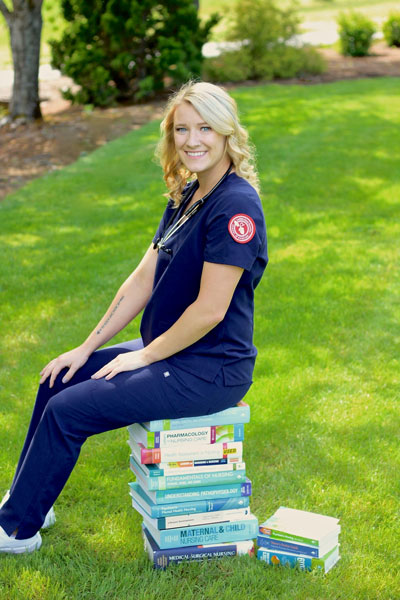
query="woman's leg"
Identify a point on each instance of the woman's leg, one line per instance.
(97, 360)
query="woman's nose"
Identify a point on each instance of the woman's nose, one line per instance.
(193, 138)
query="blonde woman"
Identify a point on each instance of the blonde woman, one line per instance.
(196, 285)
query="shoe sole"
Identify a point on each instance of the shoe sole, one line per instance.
(29, 548)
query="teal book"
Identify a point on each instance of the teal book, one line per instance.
(237, 414)
(207, 492)
(214, 434)
(199, 479)
(157, 511)
(213, 533)
(301, 561)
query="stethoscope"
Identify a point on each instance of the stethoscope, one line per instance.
(170, 228)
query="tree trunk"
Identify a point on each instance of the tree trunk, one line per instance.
(25, 24)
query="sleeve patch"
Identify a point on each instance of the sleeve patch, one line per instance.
(242, 228)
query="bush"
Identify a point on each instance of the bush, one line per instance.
(355, 32)
(285, 62)
(127, 50)
(262, 30)
(391, 30)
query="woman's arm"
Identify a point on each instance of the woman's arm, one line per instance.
(218, 283)
(130, 299)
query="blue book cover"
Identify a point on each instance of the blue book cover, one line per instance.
(190, 494)
(200, 479)
(282, 546)
(162, 558)
(302, 562)
(212, 533)
(230, 416)
(156, 511)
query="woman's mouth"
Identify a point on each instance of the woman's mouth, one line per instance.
(196, 154)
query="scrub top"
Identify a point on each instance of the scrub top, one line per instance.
(228, 229)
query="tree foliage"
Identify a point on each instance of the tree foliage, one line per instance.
(118, 50)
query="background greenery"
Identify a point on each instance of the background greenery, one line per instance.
(324, 434)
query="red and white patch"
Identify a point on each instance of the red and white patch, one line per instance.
(242, 228)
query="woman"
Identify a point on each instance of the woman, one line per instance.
(195, 283)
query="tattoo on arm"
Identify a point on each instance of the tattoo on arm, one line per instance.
(110, 315)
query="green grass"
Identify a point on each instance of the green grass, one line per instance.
(324, 434)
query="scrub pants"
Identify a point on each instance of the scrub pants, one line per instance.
(67, 414)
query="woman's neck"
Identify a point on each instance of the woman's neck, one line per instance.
(207, 180)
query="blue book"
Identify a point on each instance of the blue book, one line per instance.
(162, 558)
(302, 562)
(199, 479)
(237, 414)
(157, 511)
(212, 533)
(282, 546)
(190, 494)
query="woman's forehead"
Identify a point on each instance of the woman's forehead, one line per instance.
(185, 112)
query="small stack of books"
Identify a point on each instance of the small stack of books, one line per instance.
(299, 539)
(191, 486)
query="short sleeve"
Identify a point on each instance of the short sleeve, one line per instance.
(235, 231)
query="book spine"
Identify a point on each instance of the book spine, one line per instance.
(202, 493)
(186, 508)
(154, 471)
(280, 558)
(236, 414)
(201, 519)
(202, 479)
(207, 534)
(288, 537)
(281, 546)
(190, 451)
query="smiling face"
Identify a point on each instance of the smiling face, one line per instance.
(200, 148)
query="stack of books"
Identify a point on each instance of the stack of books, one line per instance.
(299, 539)
(191, 486)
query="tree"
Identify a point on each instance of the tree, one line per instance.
(25, 24)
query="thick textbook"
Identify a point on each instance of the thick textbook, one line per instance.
(214, 434)
(162, 558)
(185, 452)
(212, 533)
(191, 520)
(197, 479)
(157, 511)
(304, 563)
(274, 545)
(237, 414)
(288, 524)
(186, 467)
(207, 492)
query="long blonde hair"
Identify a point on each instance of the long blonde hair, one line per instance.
(219, 111)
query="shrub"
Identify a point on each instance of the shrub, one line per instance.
(127, 50)
(262, 30)
(355, 33)
(391, 30)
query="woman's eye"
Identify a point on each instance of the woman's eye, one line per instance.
(180, 129)
(206, 128)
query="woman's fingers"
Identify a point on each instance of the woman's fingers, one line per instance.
(105, 370)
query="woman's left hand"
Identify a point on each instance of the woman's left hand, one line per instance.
(128, 361)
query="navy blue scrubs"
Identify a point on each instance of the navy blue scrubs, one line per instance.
(210, 375)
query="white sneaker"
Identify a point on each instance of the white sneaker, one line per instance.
(14, 546)
(50, 517)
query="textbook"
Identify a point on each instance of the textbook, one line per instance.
(188, 451)
(211, 533)
(186, 467)
(207, 492)
(191, 520)
(197, 479)
(281, 546)
(162, 558)
(302, 527)
(304, 563)
(214, 434)
(237, 414)
(157, 511)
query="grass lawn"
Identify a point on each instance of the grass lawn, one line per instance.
(324, 434)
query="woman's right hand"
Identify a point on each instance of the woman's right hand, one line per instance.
(74, 359)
